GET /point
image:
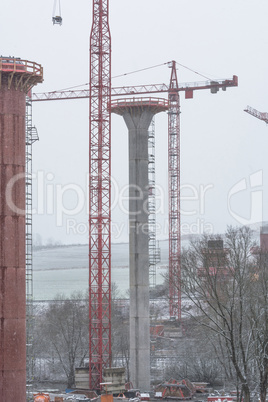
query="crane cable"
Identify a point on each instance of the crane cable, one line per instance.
(117, 76)
(54, 9)
(196, 72)
(137, 71)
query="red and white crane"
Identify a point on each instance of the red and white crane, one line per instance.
(173, 90)
(187, 87)
(99, 94)
(260, 115)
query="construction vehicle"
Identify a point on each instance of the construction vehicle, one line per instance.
(41, 397)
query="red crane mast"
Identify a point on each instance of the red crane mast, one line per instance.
(99, 194)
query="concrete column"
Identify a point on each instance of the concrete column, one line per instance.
(16, 78)
(12, 246)
(138, 124)
(138, 115)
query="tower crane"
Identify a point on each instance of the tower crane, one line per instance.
(173, 90)
(260, 115)
(187, 87)
(99, 94)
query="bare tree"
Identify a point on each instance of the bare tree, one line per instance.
(62, 335)
(227, 288)
(194, 360)
(259, 318)
(63, 332)
(120, 331)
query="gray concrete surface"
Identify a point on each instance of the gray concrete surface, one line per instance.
(138, 123)
(138, 115)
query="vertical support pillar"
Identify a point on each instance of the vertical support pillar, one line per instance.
(138, 125)
(138, 115)
(12, 246)
(16, 79)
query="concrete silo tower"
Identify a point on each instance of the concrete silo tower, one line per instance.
(17, 77)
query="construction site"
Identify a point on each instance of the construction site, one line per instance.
(160, 322)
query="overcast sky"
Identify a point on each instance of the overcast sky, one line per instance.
(224, 166)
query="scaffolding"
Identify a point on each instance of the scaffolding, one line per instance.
(31, 137)
(154, 250)
(174, 196)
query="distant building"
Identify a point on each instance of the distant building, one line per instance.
(215, 261)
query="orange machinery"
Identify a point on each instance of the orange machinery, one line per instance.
(41, 397)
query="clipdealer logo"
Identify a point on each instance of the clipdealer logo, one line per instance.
(52, 199)
(253, 186)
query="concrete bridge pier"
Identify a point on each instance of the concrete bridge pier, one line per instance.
(137, 114)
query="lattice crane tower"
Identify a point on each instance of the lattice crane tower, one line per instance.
(99, 194)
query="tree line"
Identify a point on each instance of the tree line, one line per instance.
(227, 285)
(223, 333)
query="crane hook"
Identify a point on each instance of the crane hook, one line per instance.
(56, 16)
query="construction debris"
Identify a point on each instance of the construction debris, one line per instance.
(114, 377)
(175, 389)
(220, 398)
(201, 387)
